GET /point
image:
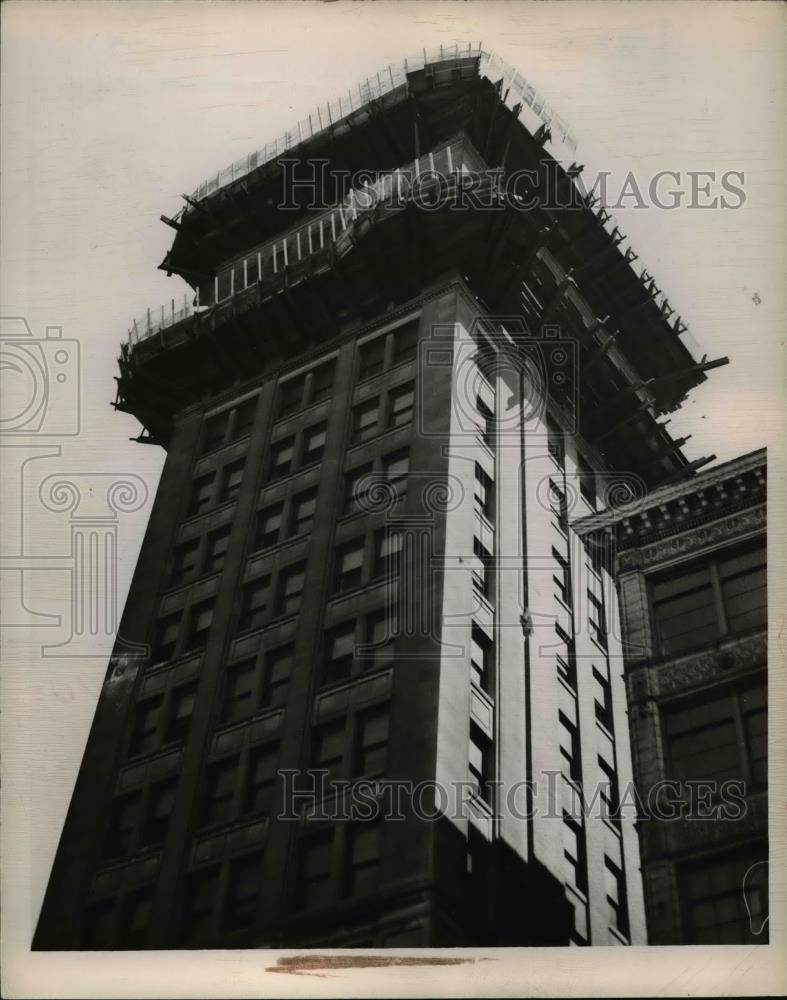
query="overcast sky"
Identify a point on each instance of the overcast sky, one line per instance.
(110, 111)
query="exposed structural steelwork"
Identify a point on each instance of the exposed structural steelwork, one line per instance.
(382, 417)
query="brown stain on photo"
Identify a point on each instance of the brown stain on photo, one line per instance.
(317, 965)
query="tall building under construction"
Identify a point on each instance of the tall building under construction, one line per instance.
(411, 355)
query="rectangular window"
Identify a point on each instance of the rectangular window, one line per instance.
(569, 748)
(396, 467)
(354, 491)
(239, 690)
(480, 762)
(184, 566)
(304, 506)
(603, 699)
(556, 444)
(482, 493)
(276, 677)
(722, 903)
(181, 708)
(322, 382)
(575, 853)
(214, 431)
(597, 620)
(686, 611)
(371, 748)
(372, 358)
(328, 751)
(315, 863)
(401, 406)
(381, 628)
(200, 903)
(201, 494)
(387, 552)
(348, 566)
(243, 891)
(405, 343)
(721, 596)
(231, 482)
(488, 423)
(480, 659)
(562, 578)
(363, 858)
(314, 443)
(245, 414)
(122, 824)
(587, 481)
(254, 604)
(616, 896)
(558, 506)
(166, 636)
(365, 418)
(282, 453)
(743, 584)
(339, 652)
(706, 741)
(483, 570)
(261, 779)
(161, 802)
(218, 543)
(290, 396)
(220, 791)
(290, 589)
(268, 526)
(145, 730)
(201, 619)
(610, 795)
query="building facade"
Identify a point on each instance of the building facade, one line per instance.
(691, 569)
(383, 414)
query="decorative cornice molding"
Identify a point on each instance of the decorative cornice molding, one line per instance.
(665, 549)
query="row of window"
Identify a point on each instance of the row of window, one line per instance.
(720, 595)
(240, 785)
(391, 408)
(298, 392)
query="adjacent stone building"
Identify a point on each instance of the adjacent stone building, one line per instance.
(690, 563)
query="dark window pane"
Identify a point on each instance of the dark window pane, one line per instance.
(355, 488)
(328, 744)
(304, 507)
(291, 580)
(145, 730)
(220, 791)
(401, 406)
(218, 543)
(122, 824)
(278, 665)
(261, 779)
(161, 801)
(405, 343)
(165, 637)
(290, 396)
(239, 690)
(339, 652)
(365, 419)
(372, 358)
(282, 453)
(254, 604)
(322, 382)
(314, 870)
(314, 443)
(363, 858)
(348, 566)
(201, 619)
(184, 567)
(215, 429)
(268, 526)
(180, 712)
(246, 412)
(201, 494)
(231, 482)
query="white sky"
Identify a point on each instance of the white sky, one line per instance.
(111, 110)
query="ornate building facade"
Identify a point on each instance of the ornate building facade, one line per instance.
(690, 564)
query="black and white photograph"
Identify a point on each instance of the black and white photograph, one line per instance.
(389, 544)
